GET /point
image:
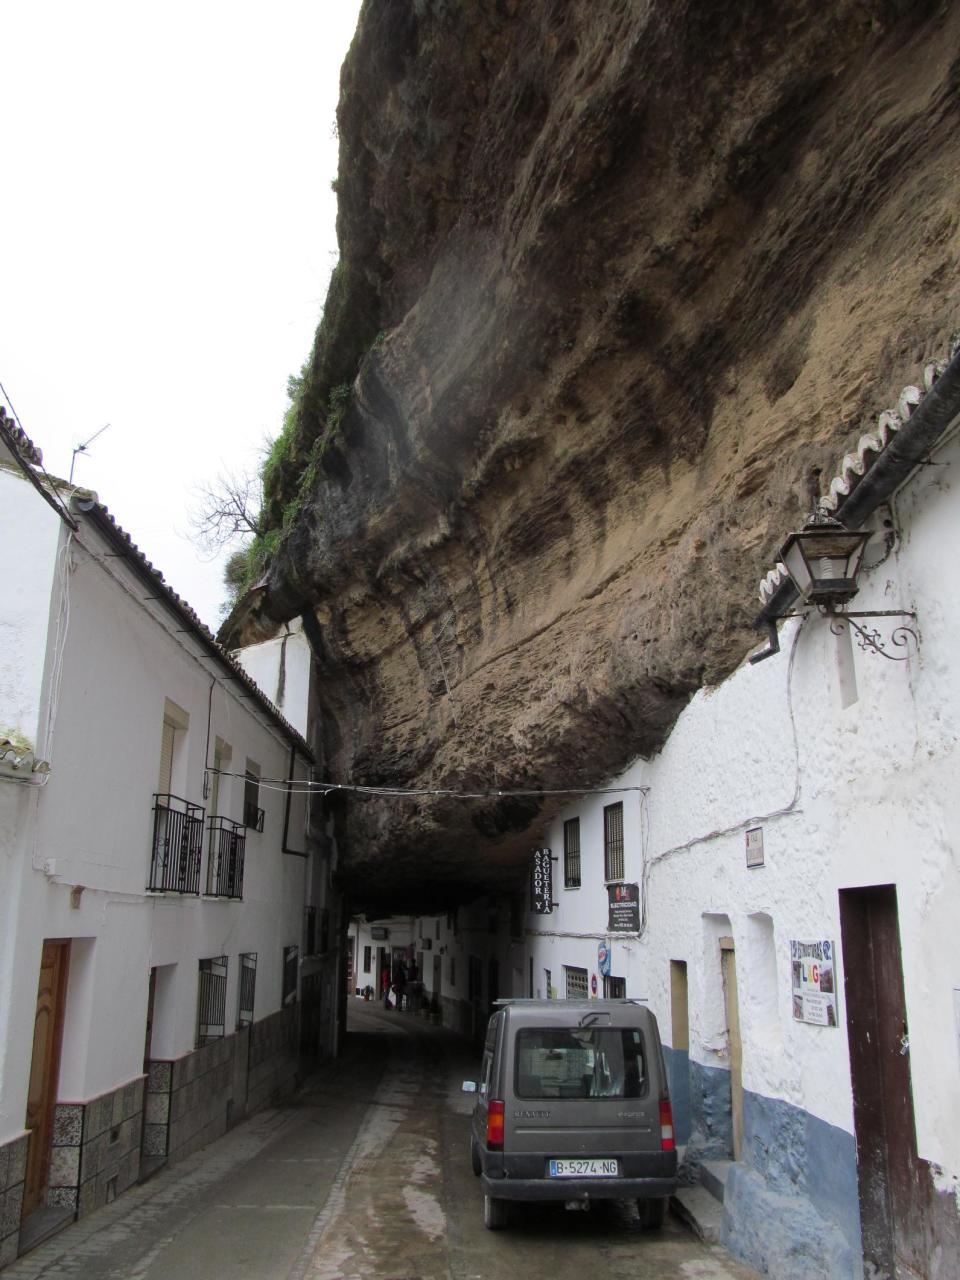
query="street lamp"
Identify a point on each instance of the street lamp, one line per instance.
(824, 560)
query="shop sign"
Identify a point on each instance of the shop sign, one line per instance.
(603, 960)
(379, 934)
(593, 984)
(623, 908)
(813, 983)
(541, 882)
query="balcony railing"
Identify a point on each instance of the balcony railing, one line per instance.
(225, 866)
(177, 845)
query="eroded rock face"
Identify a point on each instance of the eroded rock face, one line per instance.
(641, 273)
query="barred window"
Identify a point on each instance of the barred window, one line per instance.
(571, 854)
(613, 842)
(614, 988)
(291, 965)
(212, 1000)
(247, 988)
(576, 980)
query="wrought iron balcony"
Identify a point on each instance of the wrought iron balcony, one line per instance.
(177, 845)
(225, 866)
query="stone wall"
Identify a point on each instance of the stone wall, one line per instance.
(195, 1099)
(96, 1148)
(13, 1168)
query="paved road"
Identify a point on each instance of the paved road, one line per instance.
(366, 1176)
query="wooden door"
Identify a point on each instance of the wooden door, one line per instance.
(894, 1183)
(45, 1070)
(728, 967)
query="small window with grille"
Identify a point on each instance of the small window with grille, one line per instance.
(291, 963)
(576, 983)
(614, 988)
(212, 1000)
(571, 854)
(613, 842)
(247, 988)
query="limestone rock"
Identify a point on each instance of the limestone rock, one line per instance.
(620, 283)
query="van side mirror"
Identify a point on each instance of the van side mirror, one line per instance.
(469, 1086)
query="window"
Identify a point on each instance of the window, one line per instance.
(252, 813)
(366, 959)
(582, 1062)
(613, 842)
(453, 972)
(291, 957)
(548, 978)
(212, 1000)
(614, 988)
(248, 986)
(571, 854)
(576, 982)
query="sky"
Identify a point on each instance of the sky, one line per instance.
(167, 234)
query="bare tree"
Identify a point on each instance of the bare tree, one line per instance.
(225, 509)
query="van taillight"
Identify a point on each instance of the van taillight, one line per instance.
(667, 1142)
(495, 1127)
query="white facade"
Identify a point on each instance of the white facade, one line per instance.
(95, 660)
(846, 763)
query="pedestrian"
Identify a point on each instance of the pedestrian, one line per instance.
(385, 986)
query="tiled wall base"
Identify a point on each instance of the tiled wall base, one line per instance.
(192, 1100)
(13, 1169)
(96, 1148)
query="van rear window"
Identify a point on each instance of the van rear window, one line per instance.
(582, 1062)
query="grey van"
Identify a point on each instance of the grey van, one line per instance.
(572, 1105)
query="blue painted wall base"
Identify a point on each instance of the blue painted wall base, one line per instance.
(791, 1205)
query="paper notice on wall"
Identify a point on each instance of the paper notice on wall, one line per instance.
(813, 983)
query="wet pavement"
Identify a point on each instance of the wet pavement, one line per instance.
(364, 1176)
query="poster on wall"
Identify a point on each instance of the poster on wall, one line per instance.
(813, 983)
(623, 911)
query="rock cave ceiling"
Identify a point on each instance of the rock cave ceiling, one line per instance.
(619, 284)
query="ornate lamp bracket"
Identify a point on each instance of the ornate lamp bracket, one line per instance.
(869, 639)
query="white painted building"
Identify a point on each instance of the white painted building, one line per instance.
(158, 885)
(795, 849)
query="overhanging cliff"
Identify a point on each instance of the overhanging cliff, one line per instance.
(618, 281)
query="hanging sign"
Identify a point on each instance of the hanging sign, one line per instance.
(624, 908)
(813, 983)
(603, 959)
(541, 882)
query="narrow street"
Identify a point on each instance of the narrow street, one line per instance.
(366, 1176)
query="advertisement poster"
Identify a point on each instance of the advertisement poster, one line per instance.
(813, 983)
(624, 908)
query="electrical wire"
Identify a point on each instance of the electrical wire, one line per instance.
(307, 787)
(735, 828)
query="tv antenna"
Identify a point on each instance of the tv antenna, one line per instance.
(82, 448)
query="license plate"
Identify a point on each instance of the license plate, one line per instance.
(584, 1169)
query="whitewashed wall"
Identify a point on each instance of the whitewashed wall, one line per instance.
(91, 827)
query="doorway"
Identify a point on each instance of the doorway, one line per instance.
(45, 1070)
(731, 1005)
(894, 1184)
